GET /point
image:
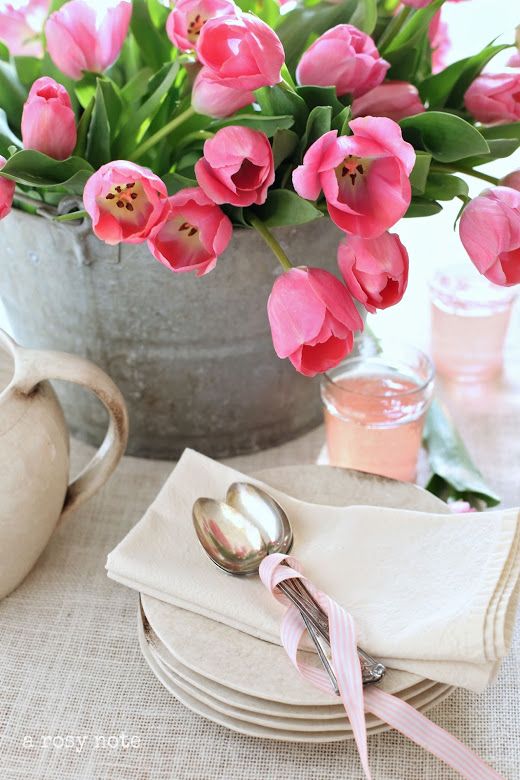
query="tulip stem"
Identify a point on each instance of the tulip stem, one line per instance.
(21, 197)
(393, 28)
(271, 241)
(164, 131)
(467, 171)
(72, 215)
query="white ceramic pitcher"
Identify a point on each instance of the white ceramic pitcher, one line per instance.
(34, 451)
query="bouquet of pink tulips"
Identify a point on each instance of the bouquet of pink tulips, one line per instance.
(177, 125)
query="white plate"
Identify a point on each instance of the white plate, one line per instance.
(421, 702)
(235, 660)
(252, 704)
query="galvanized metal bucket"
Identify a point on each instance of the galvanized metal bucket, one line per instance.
(193, 357)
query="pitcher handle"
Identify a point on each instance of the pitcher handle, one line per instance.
(35, 366)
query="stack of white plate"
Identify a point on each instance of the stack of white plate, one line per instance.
(249, 685)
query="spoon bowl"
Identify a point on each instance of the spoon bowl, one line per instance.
(229, 538)
(264, 512)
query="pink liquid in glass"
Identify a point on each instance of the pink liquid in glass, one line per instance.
(374, 422)
(470, 317)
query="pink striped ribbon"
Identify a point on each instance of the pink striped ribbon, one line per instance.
(356, 700)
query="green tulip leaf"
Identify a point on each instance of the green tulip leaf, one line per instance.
(278, 101)
(422, 207)
(498, 148)
(7, 137)
(12, 94)
(175, 182)
(420, 172)
(448, 87)
(158, 89)
(454, 475)
(510, 130)
(155, 47)
(318, 124)
(284, 144)
(285, 207)
(37, 170)
(320, 96)
(267, 124)
(98, 137)
(447, 137)
(443, 186)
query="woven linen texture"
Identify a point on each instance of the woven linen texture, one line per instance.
(70, 664)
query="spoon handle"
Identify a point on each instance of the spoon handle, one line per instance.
(372, 670)
(288, 591)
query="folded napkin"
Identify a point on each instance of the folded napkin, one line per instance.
(431, 594)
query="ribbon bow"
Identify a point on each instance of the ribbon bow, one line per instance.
(356, 700)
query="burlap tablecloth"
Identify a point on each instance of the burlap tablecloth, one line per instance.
(78, 702)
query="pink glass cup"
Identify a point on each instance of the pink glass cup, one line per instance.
(469, 321)
(375, 405)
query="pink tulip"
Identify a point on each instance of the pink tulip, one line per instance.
(193, 234)
(83, 36)
(490, 232)
(242, 51)
(21, 24)
(237, 167)
(375, 270)
(124, 201)
(364, 176)
(48, 121)
(6, 192)
(511, 180)
(215, 97)
(494, 98)
(440, 43)
(188, 17)
(312, 318)
(345, 58)
(394, 99)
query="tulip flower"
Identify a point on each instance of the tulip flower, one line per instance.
(493, 98)
(394, 99)
(6, 192)
(243, 52)
(490, 232)
(344, 58)
(364, 176)
(237, 167)
(188, 17)
(313, 319)
(375, 270)
(193, 233)
(21, 24)
(124, 201)
(511, 180)
(48, 121)
(83, 36)
(214, 97)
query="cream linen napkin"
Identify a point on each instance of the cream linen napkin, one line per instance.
(430, 594)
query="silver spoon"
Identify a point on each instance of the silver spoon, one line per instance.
(234, 543)
(272, 520)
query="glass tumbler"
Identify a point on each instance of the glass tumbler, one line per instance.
(375, 405)
(469, 321)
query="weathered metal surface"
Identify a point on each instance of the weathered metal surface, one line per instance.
(193, 357)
